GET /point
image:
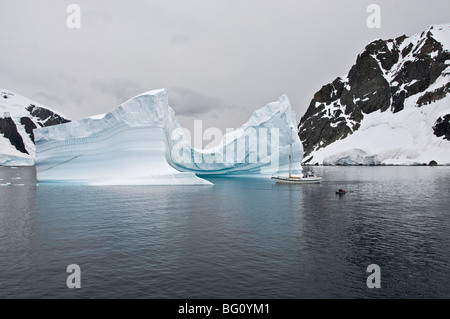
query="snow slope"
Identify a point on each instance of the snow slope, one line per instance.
(403, 138)
(18, 116)
(141, 143)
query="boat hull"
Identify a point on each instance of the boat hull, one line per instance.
(302, 180)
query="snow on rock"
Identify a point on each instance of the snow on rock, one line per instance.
(18, 117)
(393, 106)
(141, 143)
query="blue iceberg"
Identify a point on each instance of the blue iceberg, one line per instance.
(141, 143)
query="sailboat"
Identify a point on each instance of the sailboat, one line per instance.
(308, 178)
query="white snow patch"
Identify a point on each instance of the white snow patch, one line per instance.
(441, 33)
(403, 138)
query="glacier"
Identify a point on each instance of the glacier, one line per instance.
(385, 138)
(141, 143)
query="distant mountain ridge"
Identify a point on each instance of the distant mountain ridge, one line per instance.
(393, 106)
(19, 116)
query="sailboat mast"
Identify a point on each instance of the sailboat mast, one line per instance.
(290, 157)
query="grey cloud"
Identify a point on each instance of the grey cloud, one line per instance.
(121, 89)
(179, 39)
(48, 99)
(187, 102)
(96, 19)
(212, 53)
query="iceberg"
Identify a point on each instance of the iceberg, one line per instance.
(141, 143)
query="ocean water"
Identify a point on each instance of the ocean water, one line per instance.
(241, 238)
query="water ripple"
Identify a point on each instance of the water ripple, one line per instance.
(241, 238)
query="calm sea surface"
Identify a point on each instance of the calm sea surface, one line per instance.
(241, 238)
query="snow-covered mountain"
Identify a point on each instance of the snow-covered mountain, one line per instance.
(19, 116)
(393, 107)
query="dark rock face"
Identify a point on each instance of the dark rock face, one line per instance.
(385, 74)
(29, 126)
(431, 97)
(433, 163)
(39, 116)
(9, 130)
(366, 77)
(442, 127)
(47, 117)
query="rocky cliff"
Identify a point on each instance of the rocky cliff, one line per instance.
(402, 84)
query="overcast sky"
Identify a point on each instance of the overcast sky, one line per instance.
(220, 60)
